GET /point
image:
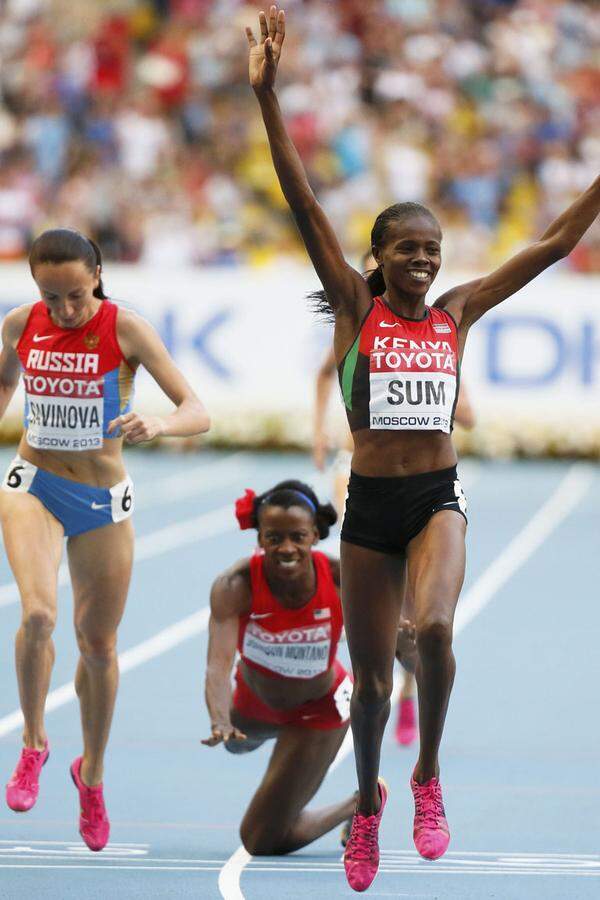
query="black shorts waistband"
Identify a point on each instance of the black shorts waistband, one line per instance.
(422, 479)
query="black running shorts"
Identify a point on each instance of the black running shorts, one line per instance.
(386, 513)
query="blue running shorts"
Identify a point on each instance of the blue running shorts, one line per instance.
(78, 507)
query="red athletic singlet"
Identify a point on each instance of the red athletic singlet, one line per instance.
(76, 380)
(291, 643)
(402, 374)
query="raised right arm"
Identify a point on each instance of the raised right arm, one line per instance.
(344, 286)
(10, 368)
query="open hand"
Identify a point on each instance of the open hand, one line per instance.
(264, 56)
(221, 732)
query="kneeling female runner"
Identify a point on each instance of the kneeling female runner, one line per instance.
(281, 609)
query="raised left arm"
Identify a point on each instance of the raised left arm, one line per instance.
(141, 345)
(470, 301)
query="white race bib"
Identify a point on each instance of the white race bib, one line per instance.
(293, 653)
(411, 400)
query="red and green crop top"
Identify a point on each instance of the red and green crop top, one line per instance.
(402, 374)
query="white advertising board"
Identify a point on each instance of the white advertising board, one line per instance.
(249, 345)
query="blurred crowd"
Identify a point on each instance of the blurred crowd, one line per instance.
(133, 121)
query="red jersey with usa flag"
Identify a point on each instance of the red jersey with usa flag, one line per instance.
(291, 643)
(402, 374)
(76, 380)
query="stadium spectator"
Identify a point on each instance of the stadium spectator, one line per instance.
(133, 124)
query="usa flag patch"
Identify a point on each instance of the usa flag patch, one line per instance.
(322, 613)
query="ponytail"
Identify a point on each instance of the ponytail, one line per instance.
(99, 291)
(320, 305)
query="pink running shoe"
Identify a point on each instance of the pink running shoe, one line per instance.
(361, 857)
(23, 788)
(94, 826)
(430, 833)
(406, 726)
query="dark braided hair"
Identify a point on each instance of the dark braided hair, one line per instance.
(286, 494)
(398, 212)
(60, 245)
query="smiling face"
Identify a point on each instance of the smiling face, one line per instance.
(287, 537)
(67, 289)
(410, 256)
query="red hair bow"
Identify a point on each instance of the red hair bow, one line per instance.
(244, 509)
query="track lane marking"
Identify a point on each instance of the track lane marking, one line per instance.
(170, 489)
(545, 520)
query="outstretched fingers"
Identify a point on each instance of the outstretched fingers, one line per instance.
(272, 30)
(279, 32)
(264, 28)
(272, 21)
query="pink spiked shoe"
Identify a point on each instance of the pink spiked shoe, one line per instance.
(361, 857)
(94, 826)
(23, 788)
(431, 833)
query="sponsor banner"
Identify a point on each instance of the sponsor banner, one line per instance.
(249, 345)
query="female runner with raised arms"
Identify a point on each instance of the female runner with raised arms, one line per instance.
(281, 609)
(406, 723)
(398, 363)
(78, 353)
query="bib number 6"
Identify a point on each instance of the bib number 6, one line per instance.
(13, 479)
(126, 500)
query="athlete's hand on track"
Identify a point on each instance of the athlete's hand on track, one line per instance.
(407, 632)
(223, 732)
(136, 429)
(264, 57)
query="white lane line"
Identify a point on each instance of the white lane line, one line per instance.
(415, 869)
(394, 861)
(563, 501)
(218, 521)
(74, 846)
(191, 482)
(167, 490)
(559, 505)
(130, 659)
(230, 874)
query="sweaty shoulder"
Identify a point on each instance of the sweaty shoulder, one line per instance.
(453, 301)
(14, 324)
(231, 593)
(135, 334)
(130, 323)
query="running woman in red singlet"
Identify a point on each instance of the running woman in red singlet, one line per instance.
(78, 353)
(281, 610)
(398, 362)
